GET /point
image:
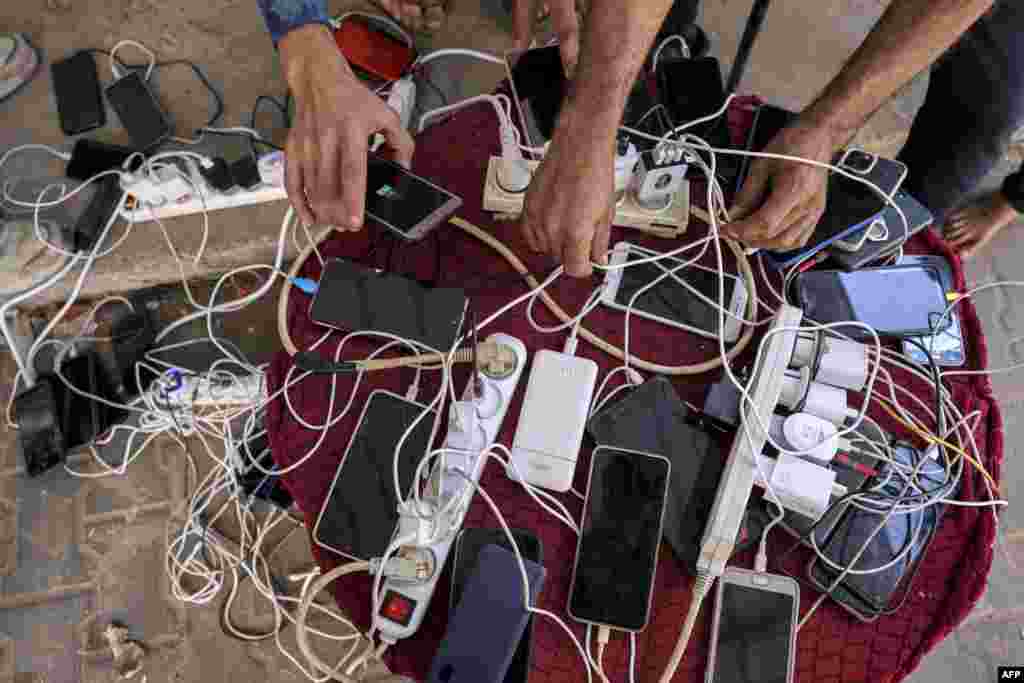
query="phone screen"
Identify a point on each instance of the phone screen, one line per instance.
(754, 635)
(652, 419)
(946, 347)
(467, 550)
(915, 528)
(351, 297)
(618, 546)
(539, 80)
(400, 200)
(669, 299)
(897, 300)
(77, 88)
(360, 513)
(138, 110)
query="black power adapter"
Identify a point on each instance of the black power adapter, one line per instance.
(37, 412)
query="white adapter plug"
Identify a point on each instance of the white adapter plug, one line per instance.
(513, 172)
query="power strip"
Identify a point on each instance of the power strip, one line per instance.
(740, 469)
(202, 392)
(211, 200)
(669, 223)
(405, 602)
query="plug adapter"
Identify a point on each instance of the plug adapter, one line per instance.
(513, 172)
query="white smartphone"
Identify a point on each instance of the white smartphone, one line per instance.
(753, 635)
(686, 300)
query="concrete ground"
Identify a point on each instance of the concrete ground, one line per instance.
(76, 553)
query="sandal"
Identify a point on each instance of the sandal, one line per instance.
(418, 16)
(18, 63)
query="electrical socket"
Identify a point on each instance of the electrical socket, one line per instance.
(734, 489)
(668, 223)
(445, 485)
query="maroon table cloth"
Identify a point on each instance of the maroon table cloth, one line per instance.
(832, 647)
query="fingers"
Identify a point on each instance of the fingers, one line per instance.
(754, 188)
(530, 225)
(602, 236)
(768, 222)
(293, 178)
(576, 251)
(523, 14)
(399, 141)
(325, 185)
(567, 29)
(353, 176)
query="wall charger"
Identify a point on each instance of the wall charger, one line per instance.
(550, 430)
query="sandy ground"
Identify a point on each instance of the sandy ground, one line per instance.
(76, 554)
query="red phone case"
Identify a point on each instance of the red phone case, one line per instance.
(373, 51)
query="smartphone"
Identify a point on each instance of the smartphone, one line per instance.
(405, 204)
(92, 157)
(359, 515)
(918, 218)
(947, 347)
(692, 89)
(877, 589)
(753, 634)
(488, 623)
(373, 50)
(687, 300)
(850, 205)
(139, 111)
(897, 301)
(539, 81)
(468, 545)
(351, 297)
(617, 550)
(76, 85)
(652, 419)
(768, 121)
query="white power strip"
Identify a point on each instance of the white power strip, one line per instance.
(740, 469)
(405, 602)
(209, 199)
(202, 392)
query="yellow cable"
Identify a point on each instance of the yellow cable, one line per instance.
(933, 439)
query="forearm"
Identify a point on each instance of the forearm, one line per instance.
(908, 38)
(282, 16)
(616, 37)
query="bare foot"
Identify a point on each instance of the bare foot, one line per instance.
(974, 226)
(417, 15)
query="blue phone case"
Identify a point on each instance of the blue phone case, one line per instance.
(488, 622)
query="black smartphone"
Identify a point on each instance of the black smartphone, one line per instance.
(539, 80)
(139, 111)
(351, 297)
(911, 532)
(652, 419)
(850, 207)
(869, 296)
(489, 621)
(617, 551)
(359, 515)
(768, 121)
(468, 545)
(91, 157)
(76, 85)
(896, 233)
(404, 203)
(753, 635)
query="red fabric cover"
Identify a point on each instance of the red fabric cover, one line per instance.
(832, 647)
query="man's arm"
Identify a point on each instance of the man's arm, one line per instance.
(281, 16)
(570, 202)
(782, 201)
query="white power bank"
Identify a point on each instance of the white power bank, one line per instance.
(554, 415)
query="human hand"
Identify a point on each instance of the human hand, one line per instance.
(571, 199)
(417, 15)
(335, 116)
(563, 21)
(781, 202)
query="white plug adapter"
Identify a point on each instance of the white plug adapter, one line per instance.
(550, 430)
(513, 172)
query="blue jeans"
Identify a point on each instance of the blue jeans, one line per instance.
(974, 104)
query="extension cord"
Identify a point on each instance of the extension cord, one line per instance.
(203, 197)
(202, 392)
(405, 603)
(667, 223)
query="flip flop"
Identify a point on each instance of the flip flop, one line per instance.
(433, 14)
(19, 61)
